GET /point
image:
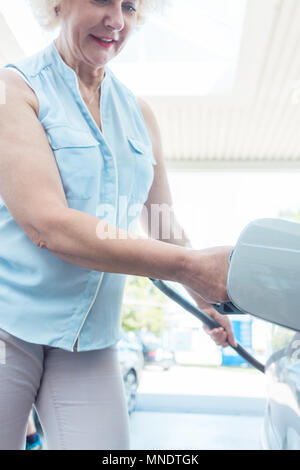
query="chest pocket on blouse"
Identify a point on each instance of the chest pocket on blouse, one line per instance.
(143, 169)
(78, 159)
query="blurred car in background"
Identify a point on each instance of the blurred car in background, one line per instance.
(156, 354)
(281, 428)
(132, 362)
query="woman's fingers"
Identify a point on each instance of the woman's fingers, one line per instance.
(218, 335)
(231, 338)
(222, 336)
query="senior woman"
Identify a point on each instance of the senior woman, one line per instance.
(80, 160)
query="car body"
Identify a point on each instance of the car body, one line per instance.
(281, 428)
(131, 362)
(156, 354)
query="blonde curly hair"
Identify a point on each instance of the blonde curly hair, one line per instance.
(44, 11)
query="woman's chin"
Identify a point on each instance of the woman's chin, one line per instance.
(98, 57)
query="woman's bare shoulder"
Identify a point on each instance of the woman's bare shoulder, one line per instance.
(150, 120)
(145, 108)
(14, 83)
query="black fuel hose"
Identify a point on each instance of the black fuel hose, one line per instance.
(206, 319)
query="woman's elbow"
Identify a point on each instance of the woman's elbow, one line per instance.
(42, 233)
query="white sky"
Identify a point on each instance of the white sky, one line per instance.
(194, 46)
(21, 21)
(213, 208)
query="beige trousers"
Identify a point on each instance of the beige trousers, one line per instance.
(79, 396)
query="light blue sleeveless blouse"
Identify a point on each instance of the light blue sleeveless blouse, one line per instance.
(107, 174)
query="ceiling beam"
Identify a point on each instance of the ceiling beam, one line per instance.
(234, 165)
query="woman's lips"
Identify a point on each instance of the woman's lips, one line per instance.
(99, 41)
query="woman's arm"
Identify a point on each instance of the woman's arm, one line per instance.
(82, 239)
(32, 190)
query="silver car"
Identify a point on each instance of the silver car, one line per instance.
(131, 363)
(281, 429)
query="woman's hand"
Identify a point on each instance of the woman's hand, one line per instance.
(222, 336)
(206, 271)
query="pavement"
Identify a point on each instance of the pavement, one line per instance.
(199, 408)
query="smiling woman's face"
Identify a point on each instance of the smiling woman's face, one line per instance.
(86, 22)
